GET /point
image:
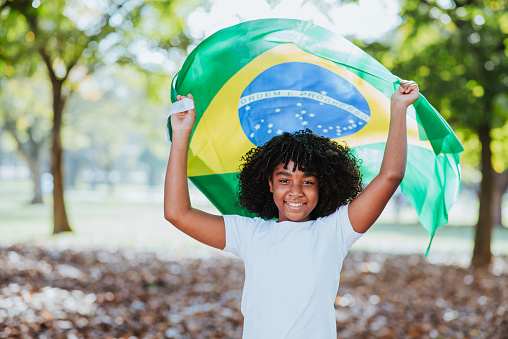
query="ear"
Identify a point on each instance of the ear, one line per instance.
(270, 183)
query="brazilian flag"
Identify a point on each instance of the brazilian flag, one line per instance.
(258, 79)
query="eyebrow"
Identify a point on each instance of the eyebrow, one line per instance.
(307, 175)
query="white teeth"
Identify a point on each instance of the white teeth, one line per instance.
(291, 204)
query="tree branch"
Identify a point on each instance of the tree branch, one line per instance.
(69, 67)
(47, 61)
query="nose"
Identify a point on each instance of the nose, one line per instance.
(295, 189)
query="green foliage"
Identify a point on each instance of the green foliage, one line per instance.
(63, 34)
(463, 49)
(25, 108)
(500, 148)
(457, 52)
(70, 40)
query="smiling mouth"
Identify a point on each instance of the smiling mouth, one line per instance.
(294, 205)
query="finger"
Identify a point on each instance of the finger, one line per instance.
(406, 84)
(409, 86)
(192, 98)
(403, 86)
(413, 87)
(180, 115)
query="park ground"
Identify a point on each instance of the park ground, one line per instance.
(126, 273)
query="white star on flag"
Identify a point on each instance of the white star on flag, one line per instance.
(299, 104)
(277, 110)
(304, 123)
(351, 121)
(247, 108)
(311, 115)
(323, 92)
(270, 125)
(303, 112)
(257, 126)
(279, 131)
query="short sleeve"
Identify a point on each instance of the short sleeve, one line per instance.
(238, 234)
(348, 236)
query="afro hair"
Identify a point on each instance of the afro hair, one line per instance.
(335, 165)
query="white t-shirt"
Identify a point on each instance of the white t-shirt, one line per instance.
(291, 273)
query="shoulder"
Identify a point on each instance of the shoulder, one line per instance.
(339, 220)
(240, 218)
(240, 231)
(341, 214)
(231, 220)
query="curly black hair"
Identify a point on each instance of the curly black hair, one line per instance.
(337, 169)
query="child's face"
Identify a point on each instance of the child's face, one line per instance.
(295, 193)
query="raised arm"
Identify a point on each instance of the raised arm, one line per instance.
(366, 208)
(204, 227)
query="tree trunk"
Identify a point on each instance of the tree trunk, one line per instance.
(31, 152)
(500, 187)
(482, 255)
(33, 164)
(60, 221)
(72, 165)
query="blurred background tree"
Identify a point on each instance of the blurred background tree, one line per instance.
(26, 114)
(72, 39)
(123, 94)
(457, 52)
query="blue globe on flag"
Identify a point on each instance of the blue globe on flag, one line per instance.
(293, 96)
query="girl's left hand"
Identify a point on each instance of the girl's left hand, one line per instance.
(407, 93)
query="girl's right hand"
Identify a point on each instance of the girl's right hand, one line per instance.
(184, 121)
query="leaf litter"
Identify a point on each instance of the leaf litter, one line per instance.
(100, 293)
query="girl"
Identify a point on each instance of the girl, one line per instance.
(308, 193)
